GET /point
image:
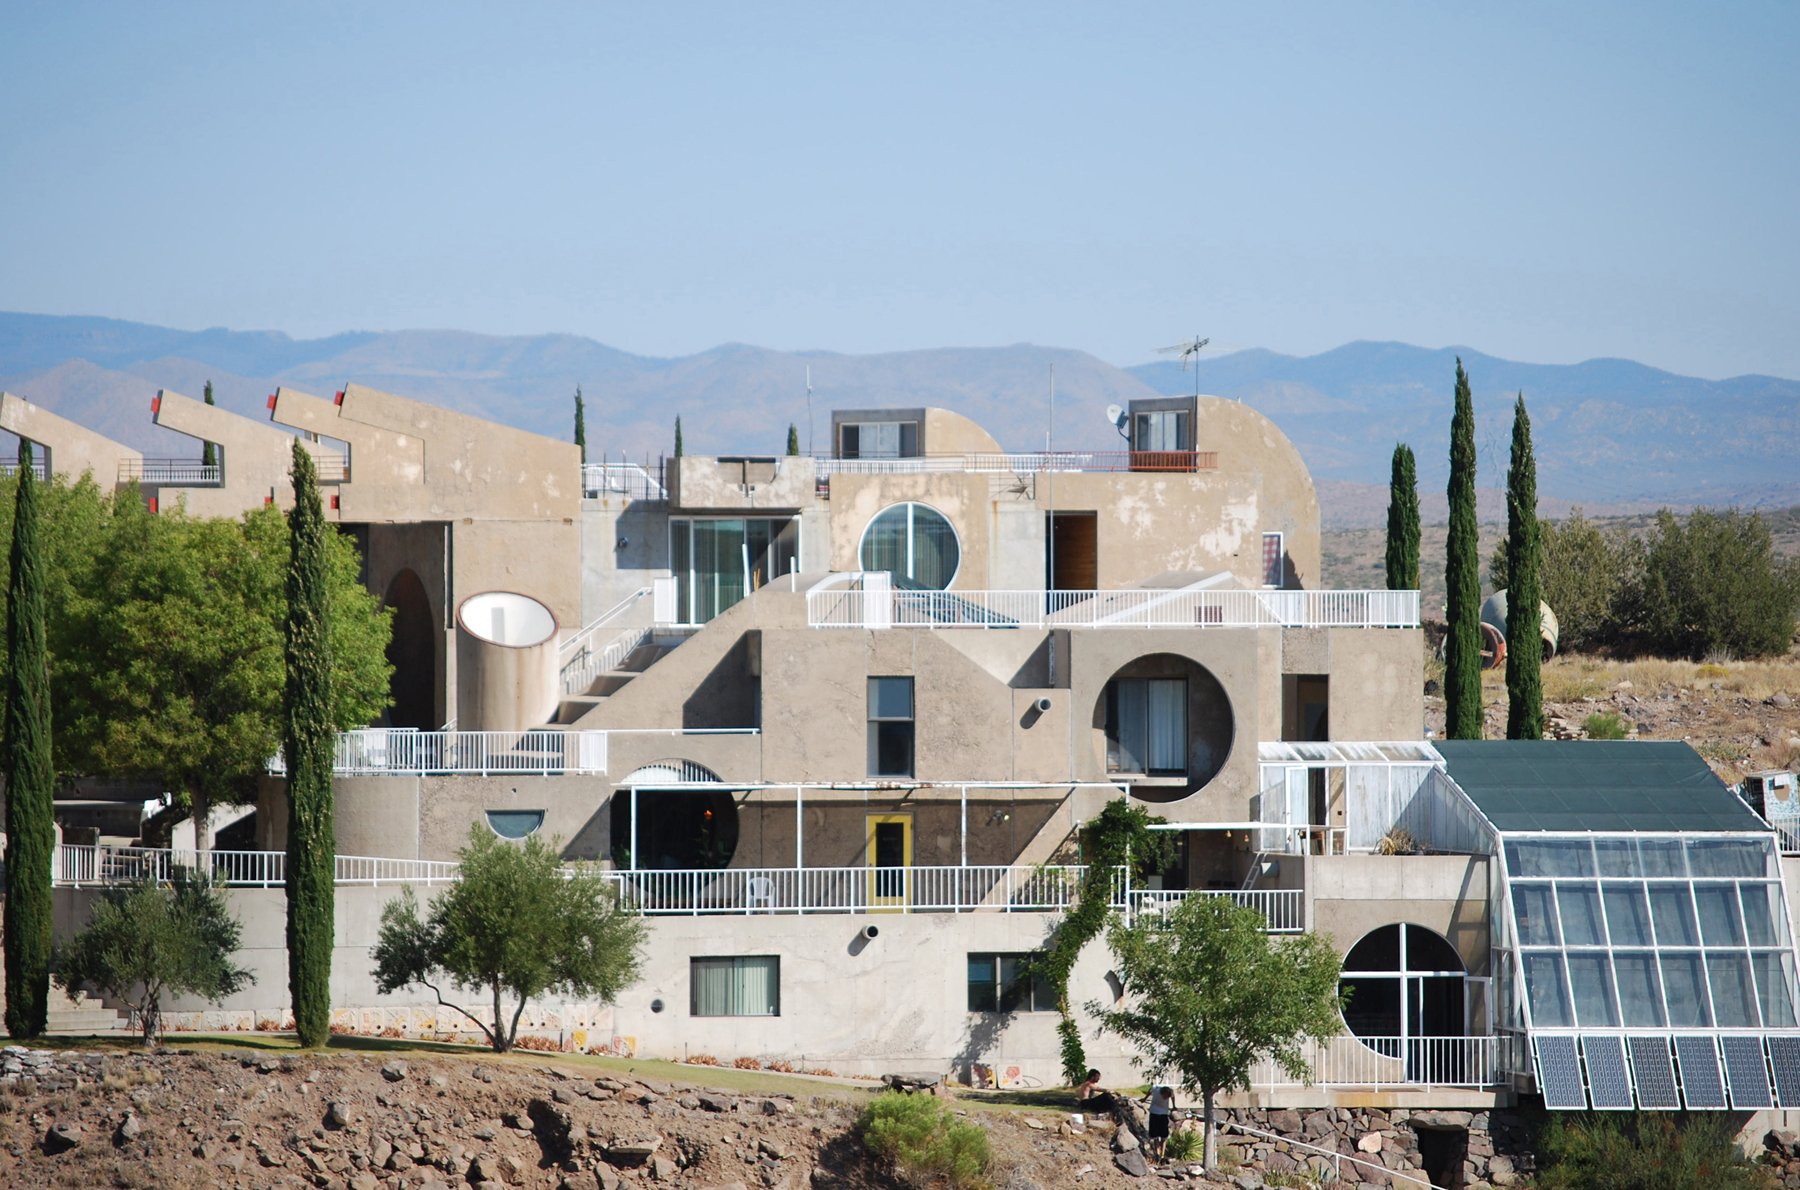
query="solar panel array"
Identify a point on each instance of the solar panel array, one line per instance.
(1612, 1072)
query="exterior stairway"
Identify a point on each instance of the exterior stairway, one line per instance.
(609, 682)
(81, 1013)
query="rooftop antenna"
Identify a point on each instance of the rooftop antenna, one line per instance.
(1188, 350)
(809, 413)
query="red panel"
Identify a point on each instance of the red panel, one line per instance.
(340, 398)
(155, 404)
(153, 505)
(334, 503)
(271, 401)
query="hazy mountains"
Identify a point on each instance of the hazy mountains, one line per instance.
(1610, 434)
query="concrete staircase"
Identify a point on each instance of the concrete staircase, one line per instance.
(81, 1013)
(610, 682)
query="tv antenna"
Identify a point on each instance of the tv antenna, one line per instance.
(1188, 350)
(809, 412)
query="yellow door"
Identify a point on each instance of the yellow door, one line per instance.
(890, 856)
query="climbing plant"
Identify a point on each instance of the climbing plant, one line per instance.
(1117, 837)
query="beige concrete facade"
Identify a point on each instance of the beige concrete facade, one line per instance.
(68, 449)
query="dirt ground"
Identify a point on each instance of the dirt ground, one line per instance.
(240, 1118)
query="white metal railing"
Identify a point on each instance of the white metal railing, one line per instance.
(580, 673)
(634, 481)
(1329, 1156)
(1348, 1061)
(1787, 835)
(583, 641)
(186, 473)
(82, 865)
(847, 605)
(584, 658)
(1283, 909)
(10, 469)
(1029, 463)
(399, 752)
(847, 890)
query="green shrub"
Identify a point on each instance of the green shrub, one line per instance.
(1184, 1145)
(923, 1143)
(1604, 725)
(1605, 1151)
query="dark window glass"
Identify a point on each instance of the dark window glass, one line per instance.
(890, 727)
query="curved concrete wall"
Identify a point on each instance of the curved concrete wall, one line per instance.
(506, 671)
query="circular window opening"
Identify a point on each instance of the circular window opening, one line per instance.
(1405, 986)
(680, 829)
(915, 543)
(1165, 725)
(514, 824)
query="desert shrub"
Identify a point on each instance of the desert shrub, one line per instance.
(1607, 1151)
(1604, 725)
(781, 1067)
(702, 1060)
(1712, 585)
(923, 1143)
(1588, 575)
(1184, 1145)
(746, 1063)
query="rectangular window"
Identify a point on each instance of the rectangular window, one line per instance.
(890, 727)
(719, 560)
(1146, 726)
(878, 440)
(748, 985)
(1274, 563)
(1001, 983)
(1162, 430)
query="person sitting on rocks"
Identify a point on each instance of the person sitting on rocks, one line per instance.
(1091, 1096)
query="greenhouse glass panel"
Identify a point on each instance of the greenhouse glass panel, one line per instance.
(1618, 857)
(1627, 915)
(1580, 913)
(1673, 908)
(1590, 977)
(1734, 1001)
(1547, 992)
(1775, 988)
(1735, 858)
(1720, 921)
(1537, 915)
(1550, 857)
(1762, 907)
(1662, 857)
(1686, 991)
(1640, 991)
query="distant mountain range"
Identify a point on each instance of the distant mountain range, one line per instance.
(1611, 435)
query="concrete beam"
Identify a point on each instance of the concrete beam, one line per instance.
(70, 449)
(254, 458)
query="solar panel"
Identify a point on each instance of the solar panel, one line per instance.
(1746, 1071)
(1607, 1079)
(1702, 1087)
(1654, 1072)
(1784, 1054)
(1559, 1074)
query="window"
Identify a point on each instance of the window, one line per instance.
(748, 985)
(514, 824)
(890, 727)
(915, 543)
(878, 440)
(719, 560)
(1161, 429)
(1274, 571)
(1146, 726)
(1001, 983)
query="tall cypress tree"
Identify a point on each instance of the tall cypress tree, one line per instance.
(30, 809)
(580, 425)
(1524, 592)
(1462, 577)
(307, 740)
(1403, 522)
(793, 446)
(678, 437)
(209, 454)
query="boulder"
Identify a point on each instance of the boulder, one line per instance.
(394, 1071)
(61, 1138)
(1124, 1140)
(1132, 1162)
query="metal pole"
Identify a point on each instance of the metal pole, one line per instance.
(634, 828)
(799, 850)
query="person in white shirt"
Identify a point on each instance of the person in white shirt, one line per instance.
(1162, 1107)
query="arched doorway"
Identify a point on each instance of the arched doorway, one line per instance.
(677, 829)
(1407, 990)
(412, 651)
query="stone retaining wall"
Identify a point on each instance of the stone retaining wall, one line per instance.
(1491, 1148)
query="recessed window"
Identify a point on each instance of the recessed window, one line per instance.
(741, 985)
(878, 440)
(1007, 983)
(1274, 571)
(913, 542)
(890, 727)
(514, 824)
(1161, 430)
(1146, 726)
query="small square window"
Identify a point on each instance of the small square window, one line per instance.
(1008, 983)
(742, 985)
(890, 727)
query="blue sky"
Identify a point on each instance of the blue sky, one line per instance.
(1547, 182)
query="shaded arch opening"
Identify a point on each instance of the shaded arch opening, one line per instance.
(412, 651)
(1164, 724)
(681, 829)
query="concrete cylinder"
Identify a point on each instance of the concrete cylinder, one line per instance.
(506, 672)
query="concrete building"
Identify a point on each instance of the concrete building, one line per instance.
(833, 724)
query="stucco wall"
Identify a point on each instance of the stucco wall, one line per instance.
(1354, 894)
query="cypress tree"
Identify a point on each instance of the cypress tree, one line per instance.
(1462, 577)
(307, 741)
(209, 454)
(678, 437)
(1525, 584)
(30, 812)
(580, 425)
(1403, 522)
(793, 439)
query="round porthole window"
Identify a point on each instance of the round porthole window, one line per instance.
(915, 543)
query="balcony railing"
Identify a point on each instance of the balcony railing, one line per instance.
(383, 751)
(1347, 1061)
(1283, 909)
(945, 889)
(1030, 463)
(78, 866)
(853, 603)
(179, 473)
(630, 481)
(8, 470)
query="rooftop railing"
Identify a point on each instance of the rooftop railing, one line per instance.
(848, 601)
(630, 481)
(1030, 463)
(180, 473)
(82, 866)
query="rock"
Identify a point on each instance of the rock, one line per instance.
(399, 1160)
(337, 1116)
(1781, 700)
(1132, 1162)
(1124, 1140)
(662, 1169)
(129, 1129)
(394, 1071)
(61, 1138)
(1284, 1123)
(727, 1186)
(1369, 1143)
(363, 1180)
(717, 1103)
(510, 1169)
(484, 1168)
(633, 1152)
(607, 1178)
(379, 1152)
(1033, 1123)
(770, 1148)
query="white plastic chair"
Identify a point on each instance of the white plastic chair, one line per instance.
(759, 888)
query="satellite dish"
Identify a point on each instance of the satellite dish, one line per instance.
(1116, 415)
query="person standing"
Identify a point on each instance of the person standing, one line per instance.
(1162, 1110)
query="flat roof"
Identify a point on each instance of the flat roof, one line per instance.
(1599, 786)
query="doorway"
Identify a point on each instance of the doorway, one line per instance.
(1071, 556)
(889, 849)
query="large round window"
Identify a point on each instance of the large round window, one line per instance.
(915, 543)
